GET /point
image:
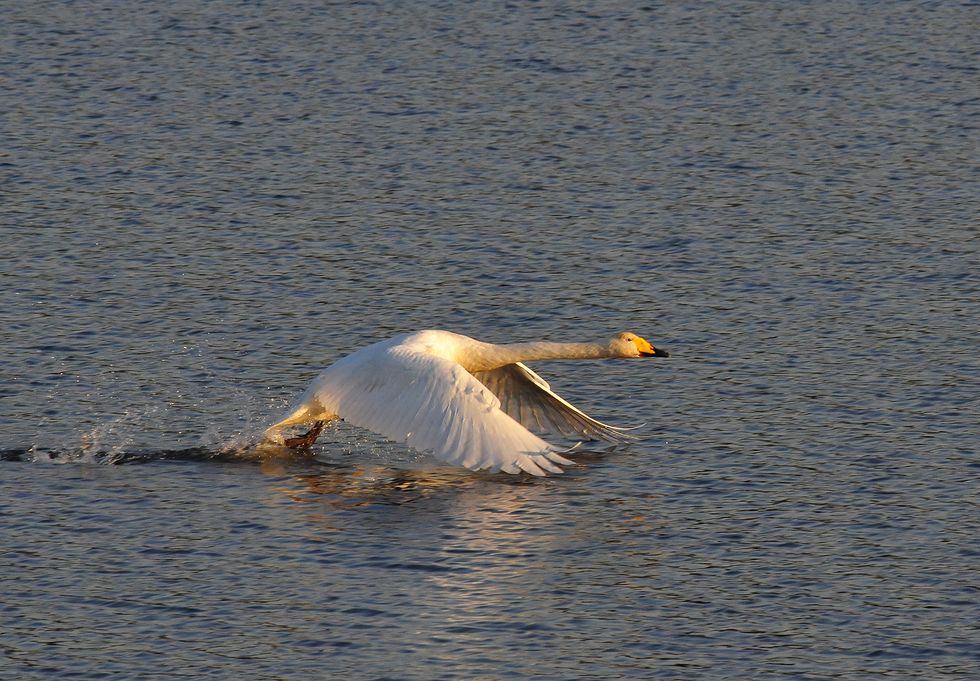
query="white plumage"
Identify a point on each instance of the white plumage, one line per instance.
(468, 402)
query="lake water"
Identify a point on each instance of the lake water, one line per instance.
(202, 204)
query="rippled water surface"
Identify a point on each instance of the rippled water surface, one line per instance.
(202, 204)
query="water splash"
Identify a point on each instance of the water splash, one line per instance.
(147, 432)
(108, 442)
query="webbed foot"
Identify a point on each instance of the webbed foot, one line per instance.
(304, 441)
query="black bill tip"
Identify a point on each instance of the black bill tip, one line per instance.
(657, 352)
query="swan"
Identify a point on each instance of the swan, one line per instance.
(468, 402)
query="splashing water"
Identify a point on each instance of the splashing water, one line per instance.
(130, 436)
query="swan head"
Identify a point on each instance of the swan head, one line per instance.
(628, 344)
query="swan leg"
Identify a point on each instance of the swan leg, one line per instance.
(308, 413)
(301, 415)
(304, 441)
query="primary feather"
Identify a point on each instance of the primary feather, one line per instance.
(528, 399)
(468, 402)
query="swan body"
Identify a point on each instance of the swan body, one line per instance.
(468, 402)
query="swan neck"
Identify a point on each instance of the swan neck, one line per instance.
(511, 353)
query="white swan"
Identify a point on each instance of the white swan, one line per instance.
(470, 403)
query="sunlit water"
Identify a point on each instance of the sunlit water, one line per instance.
(204, 203)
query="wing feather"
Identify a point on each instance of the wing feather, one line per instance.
(432, 404)
(529, 399)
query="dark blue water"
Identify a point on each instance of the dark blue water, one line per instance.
(202, 204)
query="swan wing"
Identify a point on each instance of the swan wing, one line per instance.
(433, 404)
(530, 400)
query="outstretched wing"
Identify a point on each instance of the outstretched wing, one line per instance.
(432, 404)
(529, 399)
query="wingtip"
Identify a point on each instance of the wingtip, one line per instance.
(623, 429)
(558, 458)
(539, 464)
(617, 434)
(528, 465)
